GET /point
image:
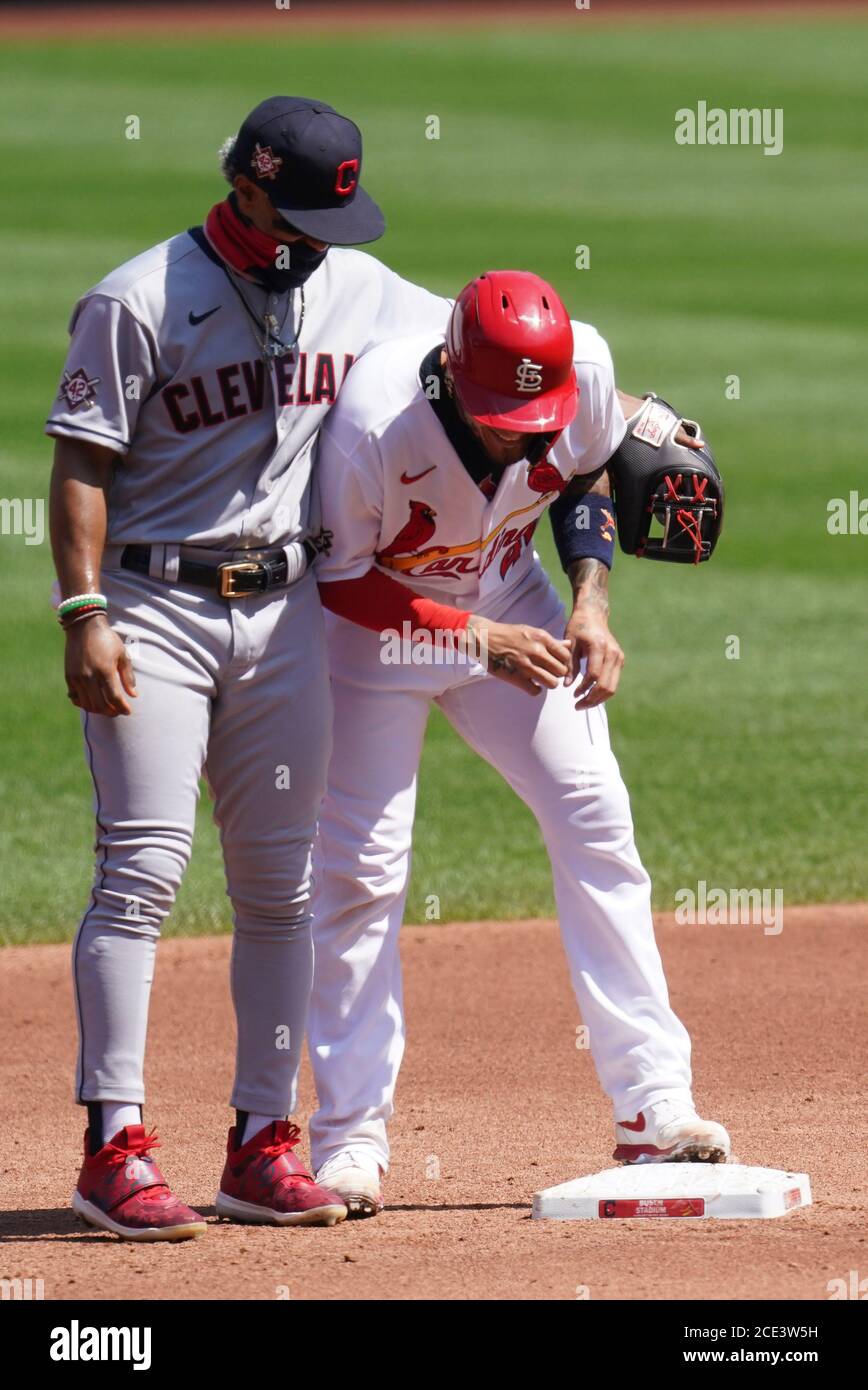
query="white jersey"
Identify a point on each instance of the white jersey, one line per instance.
(166, 368)
(393, 489)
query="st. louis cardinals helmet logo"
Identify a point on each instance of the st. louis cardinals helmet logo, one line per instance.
(265, 162)
(77, 388)
(528, 376)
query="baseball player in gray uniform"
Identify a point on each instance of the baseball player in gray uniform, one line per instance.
(197, 376)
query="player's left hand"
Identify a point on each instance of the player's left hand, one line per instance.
(588, 635)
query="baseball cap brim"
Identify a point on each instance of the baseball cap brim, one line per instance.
(550, 410)
(351, 224)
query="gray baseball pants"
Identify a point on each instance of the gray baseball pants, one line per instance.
(238, 690)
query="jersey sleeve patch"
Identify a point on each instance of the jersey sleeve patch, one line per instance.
(77, 388)
(108, 373)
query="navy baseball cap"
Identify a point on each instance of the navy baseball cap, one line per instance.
(308, 159)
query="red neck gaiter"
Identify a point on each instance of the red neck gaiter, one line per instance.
(238, 242)
(254, 253)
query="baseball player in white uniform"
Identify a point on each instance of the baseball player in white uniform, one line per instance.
(197, 377)
(434, 469)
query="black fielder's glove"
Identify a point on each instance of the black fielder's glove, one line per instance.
(655, 480)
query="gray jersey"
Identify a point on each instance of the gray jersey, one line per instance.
(166, 367)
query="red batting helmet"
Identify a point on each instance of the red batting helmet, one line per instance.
(510, 348)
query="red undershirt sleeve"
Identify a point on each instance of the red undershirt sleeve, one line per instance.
(377, 601)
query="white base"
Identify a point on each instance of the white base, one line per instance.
(675, 1190)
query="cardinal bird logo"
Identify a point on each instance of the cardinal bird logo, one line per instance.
(413, 534)
(544, 477)
(608, 526)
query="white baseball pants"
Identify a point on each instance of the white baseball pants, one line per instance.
(560, 763)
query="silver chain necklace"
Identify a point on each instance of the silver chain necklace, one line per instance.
(271, 344)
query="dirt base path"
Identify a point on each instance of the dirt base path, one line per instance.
(495, 1102)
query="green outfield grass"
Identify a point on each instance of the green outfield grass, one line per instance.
(705, 262)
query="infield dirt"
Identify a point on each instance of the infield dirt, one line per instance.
(495, 1101)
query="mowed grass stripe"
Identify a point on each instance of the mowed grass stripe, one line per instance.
(704, 263)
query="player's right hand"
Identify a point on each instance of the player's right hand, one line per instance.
(99, 673)
(528, 657)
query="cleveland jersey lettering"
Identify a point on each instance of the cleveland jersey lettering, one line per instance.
(239, 389)
(166, 367)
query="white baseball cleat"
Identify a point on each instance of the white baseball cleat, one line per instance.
(670, 1132)
(356, 1177)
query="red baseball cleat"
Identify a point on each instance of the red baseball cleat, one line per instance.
(121, 1189)
(265, 1182)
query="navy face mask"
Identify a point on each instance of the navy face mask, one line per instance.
(303, 261)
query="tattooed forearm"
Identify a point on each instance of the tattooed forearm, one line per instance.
(590, 581)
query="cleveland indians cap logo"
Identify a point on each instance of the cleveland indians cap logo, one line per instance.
(528, 376)
(265, 162)
(346, 177)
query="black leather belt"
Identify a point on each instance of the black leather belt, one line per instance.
(231, 579)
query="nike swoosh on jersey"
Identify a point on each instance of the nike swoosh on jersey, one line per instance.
(200, 318)
(405, 478)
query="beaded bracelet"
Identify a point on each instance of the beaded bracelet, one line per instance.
(77, 601)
